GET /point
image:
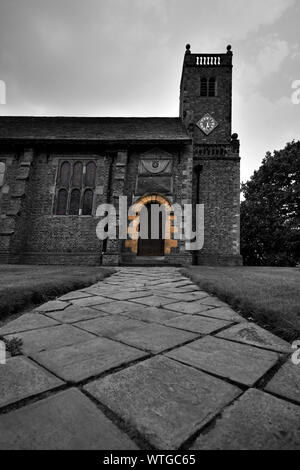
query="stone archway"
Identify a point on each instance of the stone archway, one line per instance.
(164, 244)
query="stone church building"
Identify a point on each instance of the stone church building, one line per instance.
(56, 171)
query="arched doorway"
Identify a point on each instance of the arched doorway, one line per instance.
(152, 247)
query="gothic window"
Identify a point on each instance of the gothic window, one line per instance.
(208, 87)
(90, 174)
(74, 202)
(2, 173)
(87, 204)
(62, 201)
(75, 188)
(77, 174)
(65, 171)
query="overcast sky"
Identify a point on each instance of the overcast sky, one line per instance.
(124, 58)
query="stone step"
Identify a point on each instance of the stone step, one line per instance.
(151, 261)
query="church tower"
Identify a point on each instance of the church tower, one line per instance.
(206, 111)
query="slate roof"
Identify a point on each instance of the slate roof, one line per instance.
(104, 129)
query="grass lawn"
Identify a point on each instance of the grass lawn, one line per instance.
(23, 286)
(270, 296)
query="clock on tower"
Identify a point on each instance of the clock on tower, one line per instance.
(207, 124)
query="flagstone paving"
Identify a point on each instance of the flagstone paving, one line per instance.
(145, 359)
(28, 321)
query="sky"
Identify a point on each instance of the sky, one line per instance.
(124, 58)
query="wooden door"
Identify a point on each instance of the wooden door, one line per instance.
(151, 247)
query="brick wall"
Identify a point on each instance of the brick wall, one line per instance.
(58, 239)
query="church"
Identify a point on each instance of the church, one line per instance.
(56, 171)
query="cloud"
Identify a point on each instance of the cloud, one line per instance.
(264, 125)
(271, 56)
(267, 59)
(251, 16)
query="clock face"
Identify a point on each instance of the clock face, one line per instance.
(207, 124)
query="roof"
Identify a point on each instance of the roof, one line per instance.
(104, 129)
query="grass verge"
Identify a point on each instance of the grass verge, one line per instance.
(268, 296)
(22, 287)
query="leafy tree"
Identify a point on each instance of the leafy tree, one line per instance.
(270, 213)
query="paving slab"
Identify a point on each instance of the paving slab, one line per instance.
(189, 288)
(188, 307)
(182, 296)
(214, 302)
(154, 338)
(50, 338)
(162, 293)
(238, 362)
(222, 313)
(150, 314)
(249, 333)
(76, 294)
(197, 324)
(21, 378)
(103, 290)
(89, 301)
(166, 401)
(177, 290)
(256, 421)
(75, 314)
(52, 306)
(128, 295)
(185, 282)
(286, 382)
(137, 311)
(154, 282)
(83, 360)
(117, 307)
(28, 321)
(110, 326)
(153, 301)
(65, 421)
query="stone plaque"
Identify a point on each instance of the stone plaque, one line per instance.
(154, 184)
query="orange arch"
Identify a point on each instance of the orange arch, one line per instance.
(132, 243)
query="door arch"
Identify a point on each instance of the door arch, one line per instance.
(165, 243)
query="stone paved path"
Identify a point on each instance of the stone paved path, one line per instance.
(146, 360)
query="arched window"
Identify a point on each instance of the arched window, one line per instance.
(87, 206)
(2, 173)
(203, 87)
(74, 202)
(90, 175)
(212, 87)
(77, 174)
(62, 202)
(65, 171)
(75, 187)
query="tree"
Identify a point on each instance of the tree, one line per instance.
(270, 213)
